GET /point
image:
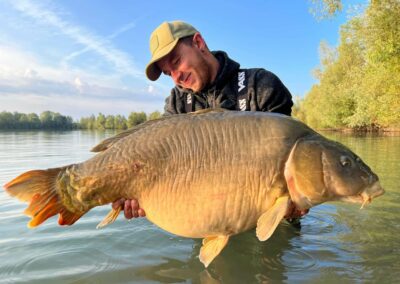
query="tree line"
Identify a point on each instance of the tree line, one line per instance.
(116, 121)
(359, 80)
(46, 120)
(55, 120)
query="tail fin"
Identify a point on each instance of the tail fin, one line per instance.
(38, 187)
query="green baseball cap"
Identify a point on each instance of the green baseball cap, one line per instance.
(162, 41)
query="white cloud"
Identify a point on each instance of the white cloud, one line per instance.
(30, 73)
(150, 89)
(78, 84)
(102, 46)
(17, 65)
(14, 63)
(86, 49)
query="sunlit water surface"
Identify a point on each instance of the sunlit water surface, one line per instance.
(336, 241)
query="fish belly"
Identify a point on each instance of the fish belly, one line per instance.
(202, 208)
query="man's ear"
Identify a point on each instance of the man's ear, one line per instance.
(199, 42)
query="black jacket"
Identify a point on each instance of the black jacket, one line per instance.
(262, 90)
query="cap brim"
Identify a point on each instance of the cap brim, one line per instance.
(152, 70)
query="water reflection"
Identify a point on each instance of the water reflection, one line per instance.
(244, 258)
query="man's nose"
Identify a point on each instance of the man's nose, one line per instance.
(176, 76)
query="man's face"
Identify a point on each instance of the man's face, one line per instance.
(187, 66)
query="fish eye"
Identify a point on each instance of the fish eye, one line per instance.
(345, 161)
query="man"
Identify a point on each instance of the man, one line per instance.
(205, 79)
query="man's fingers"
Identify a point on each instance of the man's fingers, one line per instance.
(141, 212)
(128, 214)
(130, 206)
(134, 204)
(128, 209)
(118, 203)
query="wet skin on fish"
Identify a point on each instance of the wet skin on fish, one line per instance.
(209, 174)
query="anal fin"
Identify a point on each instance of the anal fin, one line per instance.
(212, 246)
(68, 218)
(268, 221)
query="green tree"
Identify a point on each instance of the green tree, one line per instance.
(23, 121)
(323, 9)
(154, 115)
(59, 121)
(46, 119)
(6, 120)
(34, 121)
(91, 122)
(297, 109)
(136, 118)
(88, 122)
(101, 122)
(84, 123)
(109, 124)
(120, 122)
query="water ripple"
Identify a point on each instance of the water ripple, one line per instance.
(58, 263)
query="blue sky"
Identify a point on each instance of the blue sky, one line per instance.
(84, 57)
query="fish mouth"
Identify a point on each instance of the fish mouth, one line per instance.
(366, 196)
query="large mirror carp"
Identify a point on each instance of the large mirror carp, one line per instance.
(210, 175)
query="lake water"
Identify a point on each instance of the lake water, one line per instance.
(336, 241)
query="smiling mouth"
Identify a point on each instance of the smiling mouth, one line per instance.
(185, 82)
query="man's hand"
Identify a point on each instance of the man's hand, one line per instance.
(132, 209)
(130, 206)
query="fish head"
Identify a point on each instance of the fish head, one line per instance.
(320, 170)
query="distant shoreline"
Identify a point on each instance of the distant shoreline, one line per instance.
(387, 131)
